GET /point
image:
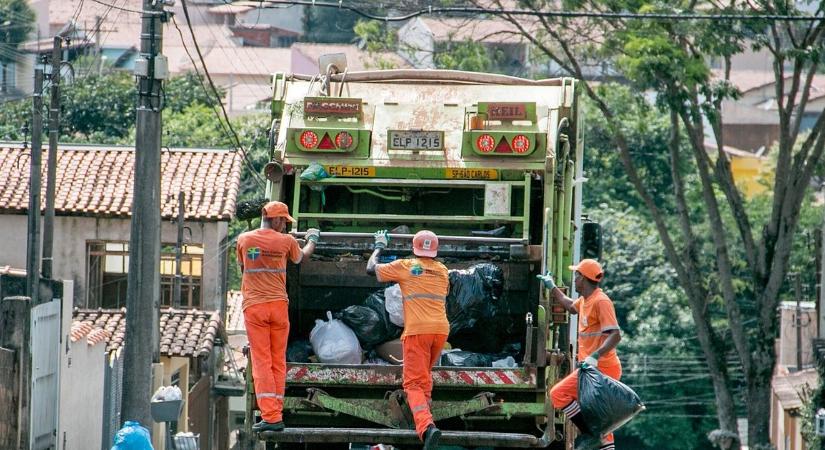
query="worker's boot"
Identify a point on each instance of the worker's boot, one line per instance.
(431, 437)
(608, 446)
(268, 426)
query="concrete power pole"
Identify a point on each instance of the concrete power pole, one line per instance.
(143, 293)
(33, 243)
(51, 164)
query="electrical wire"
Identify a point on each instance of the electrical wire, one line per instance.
(239, 146)
(562, 14)
(120, 8)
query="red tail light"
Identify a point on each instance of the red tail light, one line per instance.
(326, 143)
(309, 139)
(485, 143)
(520, 143)
(343, 140)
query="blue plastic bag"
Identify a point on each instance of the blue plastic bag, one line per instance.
(133, 436)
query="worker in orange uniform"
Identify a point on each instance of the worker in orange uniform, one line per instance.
(599, 335)
(263, 255)
(424, 286)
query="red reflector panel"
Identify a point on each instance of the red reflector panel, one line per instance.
(485, 143)
(326, 143)
(343, 140)
(521, 143)
(503, 146)
(309, 139)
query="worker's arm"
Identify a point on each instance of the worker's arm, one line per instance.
(613, 338)
(557, 294)
(382, 238)
(312, 235)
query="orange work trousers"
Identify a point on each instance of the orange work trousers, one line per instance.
(567, 390)
(421, 351)
(267, 327)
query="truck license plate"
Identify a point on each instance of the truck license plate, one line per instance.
(415, 140)
(349, 171)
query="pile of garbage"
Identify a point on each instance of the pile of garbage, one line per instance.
(370, 332)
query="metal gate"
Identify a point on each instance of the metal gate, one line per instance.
(112, 397)
(45, 392)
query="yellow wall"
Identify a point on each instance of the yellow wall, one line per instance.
(749, 174)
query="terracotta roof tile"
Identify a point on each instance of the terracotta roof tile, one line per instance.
(95, 181)
(188, 333)
(234, 314)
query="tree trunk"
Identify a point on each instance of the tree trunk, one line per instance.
(759, 410)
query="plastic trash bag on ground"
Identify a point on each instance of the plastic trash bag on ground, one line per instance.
(606, 404)
(299, 351)
(460, 358)
(394, 304)
(334, 343)
(132, 436)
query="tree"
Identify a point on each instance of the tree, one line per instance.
(670, 58)
(16, 22)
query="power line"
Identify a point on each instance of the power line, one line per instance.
(239, 146)
(134, 11)
(562, 14)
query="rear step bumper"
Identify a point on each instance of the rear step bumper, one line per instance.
(393, 436)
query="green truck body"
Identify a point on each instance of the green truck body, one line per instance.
(487, 162)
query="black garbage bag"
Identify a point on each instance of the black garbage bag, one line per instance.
(606, 404)
(370, 322)
(299, 351)
(460, 358)
(474, 295)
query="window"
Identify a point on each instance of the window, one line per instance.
(108, 271)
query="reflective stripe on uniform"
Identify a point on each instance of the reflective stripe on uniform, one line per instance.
(269, 395)
(438, 298)
(597, 333)
(265, 270)
(419, 408)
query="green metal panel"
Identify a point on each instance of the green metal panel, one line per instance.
(538, 142)
(360, 147)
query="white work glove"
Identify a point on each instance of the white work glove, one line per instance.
(548, 280)
(313, 234)
(592, 360)
(382, 238)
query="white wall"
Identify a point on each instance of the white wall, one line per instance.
(81, 390)
(787, 334)
(71, 235)
(416, 45)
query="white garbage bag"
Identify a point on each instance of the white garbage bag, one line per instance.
(334, 342)
(167, 393)
(394, 304)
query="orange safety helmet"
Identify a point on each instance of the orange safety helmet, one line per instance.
(590, 269)
(425, 243)
(276, 209)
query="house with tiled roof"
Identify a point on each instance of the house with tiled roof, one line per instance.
(93, 202)
(93, 369)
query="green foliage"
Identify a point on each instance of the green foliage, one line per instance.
(329, 25)
(188, 89)
(647, 131)
(16, 22)
(378, 39)
(195, 126)
(466, 55)
(98, 106)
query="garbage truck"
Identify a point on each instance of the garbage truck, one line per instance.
(493, 165)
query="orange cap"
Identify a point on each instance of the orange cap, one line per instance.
(590, 269)
(425, 243)
(276, 209)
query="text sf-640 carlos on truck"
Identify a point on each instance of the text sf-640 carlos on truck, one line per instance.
(490, 164)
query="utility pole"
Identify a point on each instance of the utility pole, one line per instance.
(176, 294)
(51, 173)
(33, 242)
(798, 293)
(143, 292)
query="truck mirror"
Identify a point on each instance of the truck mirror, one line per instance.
(591, 244)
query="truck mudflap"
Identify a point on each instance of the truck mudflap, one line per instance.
(408, 437)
